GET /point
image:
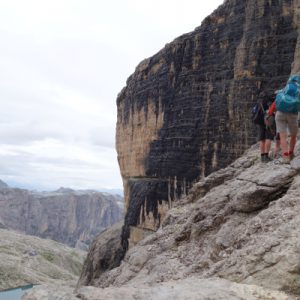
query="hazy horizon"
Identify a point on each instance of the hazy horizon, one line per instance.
(119, 191)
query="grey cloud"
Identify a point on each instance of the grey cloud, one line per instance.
(19, 134)
(21, 167)
(102, 136)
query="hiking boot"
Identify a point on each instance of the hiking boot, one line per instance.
(268, 159)
(265, 158)
(291, 155)
(284, 159)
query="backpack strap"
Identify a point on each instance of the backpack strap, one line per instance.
(262, 107)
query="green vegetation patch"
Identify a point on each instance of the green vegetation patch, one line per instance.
(48, 256)
(7, 249)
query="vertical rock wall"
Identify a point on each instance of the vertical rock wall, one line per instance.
(70, 217)
(296, 63)
(185, 112)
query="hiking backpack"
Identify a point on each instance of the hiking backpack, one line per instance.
(288, 99)
(258, 113)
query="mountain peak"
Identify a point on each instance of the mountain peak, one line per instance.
(64, 190)
(3, 185)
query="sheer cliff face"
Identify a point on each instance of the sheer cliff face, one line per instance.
(73, 217)
(185, 111)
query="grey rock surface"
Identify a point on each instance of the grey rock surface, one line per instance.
(186, 289)
(68, 216)
(50, 292)
(105, 253)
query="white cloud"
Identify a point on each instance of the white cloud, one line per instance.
(48, 163)
(62, 65)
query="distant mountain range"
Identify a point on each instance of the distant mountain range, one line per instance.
(13, 184)
(73, 217)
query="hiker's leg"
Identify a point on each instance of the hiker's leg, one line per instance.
(262, 138)
(262, 151)
(283, 142)
(293, 141)
(282, 128)
(293, 130)
(269, 139)
(268, 143)
(267, 146)
(262, 146)
(277, 145)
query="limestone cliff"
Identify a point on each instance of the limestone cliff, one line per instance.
(68, 216)
(185, 111)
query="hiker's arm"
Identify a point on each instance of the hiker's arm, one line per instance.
(272, 108)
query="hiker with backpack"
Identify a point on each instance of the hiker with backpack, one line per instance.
(265, 135)
(287, 104)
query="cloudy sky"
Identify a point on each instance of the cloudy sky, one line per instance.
(62, 64)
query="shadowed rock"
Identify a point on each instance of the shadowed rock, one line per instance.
(105, 253)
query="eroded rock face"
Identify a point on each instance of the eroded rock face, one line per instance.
(185, 112)
(68, 216)
(240, 223)
(105, 253)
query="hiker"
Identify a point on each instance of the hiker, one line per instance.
(265, 135)
(286, 117)
(270, 122)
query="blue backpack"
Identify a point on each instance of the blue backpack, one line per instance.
(288, 99)
(258, 113)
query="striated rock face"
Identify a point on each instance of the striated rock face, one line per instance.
(185, 112)
(68, 216)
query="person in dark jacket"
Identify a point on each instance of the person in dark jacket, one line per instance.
(265, 135)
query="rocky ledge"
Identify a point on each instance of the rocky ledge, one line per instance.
(237, 231)
(186, 289)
